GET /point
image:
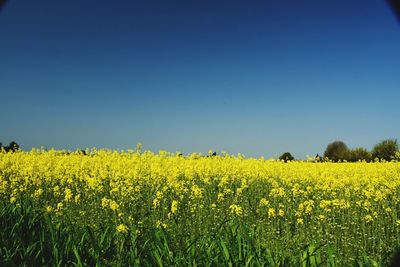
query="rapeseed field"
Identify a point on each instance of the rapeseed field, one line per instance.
(135, 208)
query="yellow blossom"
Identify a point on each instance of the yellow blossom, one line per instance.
(368, 218)
(271, 212)
(264, 202)
(174, 207)
(236, 209)
(68, 194)
(122, 228)
(114, 205)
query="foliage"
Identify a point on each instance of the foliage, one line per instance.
(337, 151)
(137, 208)
(286, 157)
(397, 156)
(385, 150)
(13, 146)
(359, 154)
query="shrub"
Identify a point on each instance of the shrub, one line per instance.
(359, 153)
(286, 157)
(336, 151)
(385, 150)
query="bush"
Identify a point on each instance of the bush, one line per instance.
(385, 150)
(286, 157)
(336, 151)
(358, 154)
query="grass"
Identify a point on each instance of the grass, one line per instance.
(30, 238)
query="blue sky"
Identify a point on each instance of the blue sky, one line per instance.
(252, 77)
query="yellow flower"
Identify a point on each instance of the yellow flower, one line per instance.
(281, 212)
(122, 228)
(160, 224)
(113, 205)
(271, 212)
(367, 205)
(197, 192)
(264, 202)
(60, 206)
(68, 194)
(368, 218)
(174, 207)
(56, 190)
(105, 202)
(156, 203)
(277, 192)
(236, 209)
(239, 191)
(38, 193)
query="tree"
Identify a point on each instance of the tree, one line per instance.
(359, 153)
(336, 151)
(13, 146)
(286, 157)
(385, 150)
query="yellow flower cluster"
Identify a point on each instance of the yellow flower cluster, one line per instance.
(121, 228)
(168, 190)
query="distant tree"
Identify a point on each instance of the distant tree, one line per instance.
(336, 151)
(286, 157)
(13, 146)
(359, 153)
(385, 150)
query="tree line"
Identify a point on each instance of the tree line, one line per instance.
(338, 151)
(385, 150)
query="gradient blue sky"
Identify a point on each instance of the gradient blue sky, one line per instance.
(255, 77)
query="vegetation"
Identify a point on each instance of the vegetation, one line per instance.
(337, 151)
(13, 146)
(286, 157)
(136, 208)
(385, 150)
(359, 154)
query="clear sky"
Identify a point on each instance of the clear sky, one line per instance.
(252, 77)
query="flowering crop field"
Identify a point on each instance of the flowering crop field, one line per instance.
(109, 208)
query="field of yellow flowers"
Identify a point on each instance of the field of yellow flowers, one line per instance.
(137, 208)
